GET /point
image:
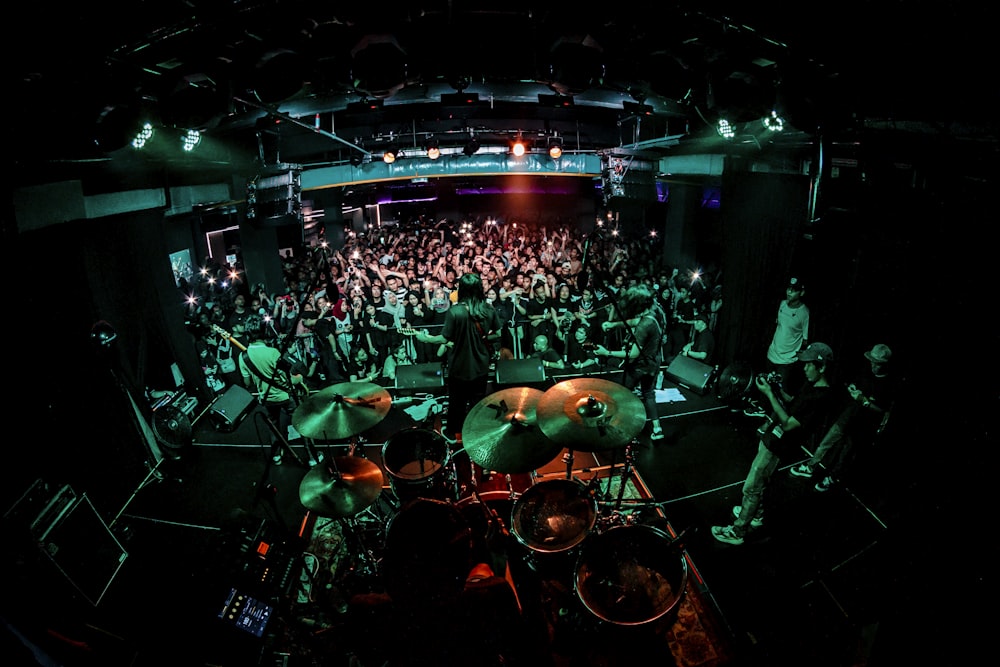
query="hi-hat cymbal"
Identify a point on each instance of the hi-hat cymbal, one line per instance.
(500, 432)
(590, 414)
(341, 410)
(342, 487)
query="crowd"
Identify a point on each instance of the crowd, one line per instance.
(343, 313)
(578, 303)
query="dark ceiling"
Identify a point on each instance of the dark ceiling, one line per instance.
(296, 81)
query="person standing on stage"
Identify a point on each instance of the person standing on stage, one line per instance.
(470, 326)
(643, 353)
(272, 383)
(794, 419)
(791, 334)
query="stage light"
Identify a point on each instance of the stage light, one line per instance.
(391, 154)
(555, 148)
(773, 122)
(190, 140)
(143, 137)
(518, 148)
(725, 129)
(433, 149)
(357, 158)
(471, 147)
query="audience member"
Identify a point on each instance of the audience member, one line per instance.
(702, 346)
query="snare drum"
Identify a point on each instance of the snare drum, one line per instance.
(418, 463)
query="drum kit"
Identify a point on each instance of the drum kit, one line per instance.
(625, 573)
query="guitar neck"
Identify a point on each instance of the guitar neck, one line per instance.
(228, 336)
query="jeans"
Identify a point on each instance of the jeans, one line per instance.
(763, 466)
(834, 436)
(631, 380)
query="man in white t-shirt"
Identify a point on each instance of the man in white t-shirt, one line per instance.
(791, 334)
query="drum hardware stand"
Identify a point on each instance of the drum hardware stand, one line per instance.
(626, 473)
(365, 555)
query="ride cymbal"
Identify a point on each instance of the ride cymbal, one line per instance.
(342, 410)
(590, 414)
(501, 433)
(342, 487)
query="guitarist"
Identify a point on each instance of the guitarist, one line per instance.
(471, 326)
(262, 374)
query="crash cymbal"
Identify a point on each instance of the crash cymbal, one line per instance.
(341, 410)
(501, 433)
(590, 414)
(342, 487)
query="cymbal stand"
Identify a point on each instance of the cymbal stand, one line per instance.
(568, 459)
(626, 473)
(348, 526)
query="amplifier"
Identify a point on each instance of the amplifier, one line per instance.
(230, 408)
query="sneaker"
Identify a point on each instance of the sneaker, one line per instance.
(755, 522)
(804, 470)
(726, 534)
(825, 484)
(754, 412)
(276, 460)
(656, 435)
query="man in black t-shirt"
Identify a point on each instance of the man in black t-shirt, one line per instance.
(470, 326)
(782, 436)
(643, 353)
(542, 349)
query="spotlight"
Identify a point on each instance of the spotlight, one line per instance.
(190, 140)
(725, 129)
(517, 148)
(391, 154)
(357, 158)
(555, 148)
(773, 122)
(433, 149)
(471, 147)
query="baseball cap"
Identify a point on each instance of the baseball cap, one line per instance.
(796, 284)
(816, 352)
(880, 354)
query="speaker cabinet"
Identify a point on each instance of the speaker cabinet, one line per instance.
(230, 408)
(521, 373)
(419, 377)
(690, 374)
(83, 549)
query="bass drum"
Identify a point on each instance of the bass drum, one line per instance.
(418, 464)
(631, 575)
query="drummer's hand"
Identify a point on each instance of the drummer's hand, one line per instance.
(601, 351)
